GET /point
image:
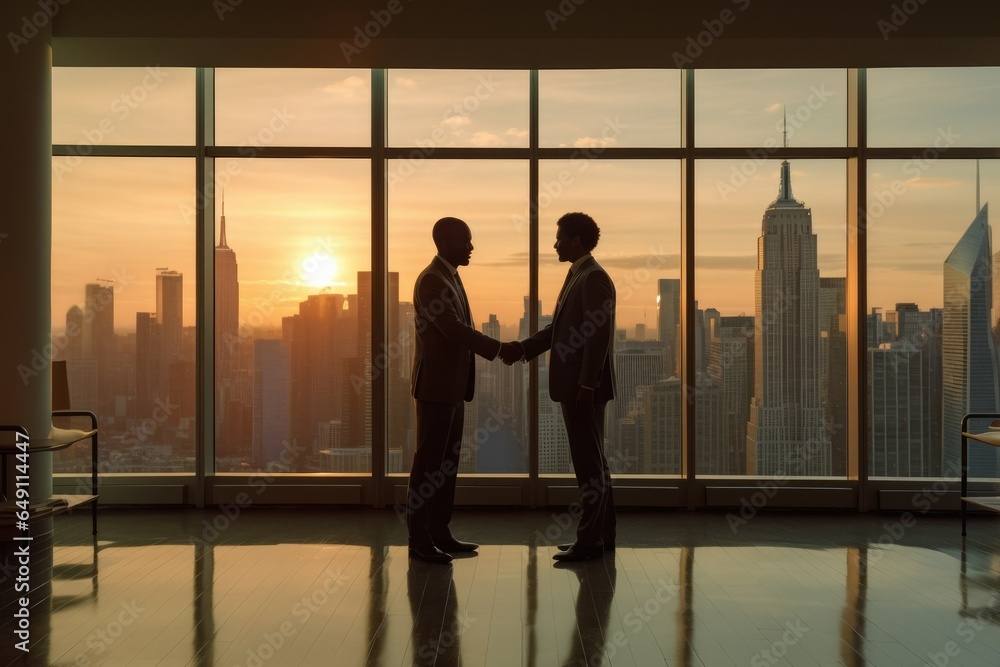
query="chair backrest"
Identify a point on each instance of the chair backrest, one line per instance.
(60, 386)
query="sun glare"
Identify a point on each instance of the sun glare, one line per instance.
(319, 270)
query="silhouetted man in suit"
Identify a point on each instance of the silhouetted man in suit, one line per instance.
(444, 376)
(582, 377)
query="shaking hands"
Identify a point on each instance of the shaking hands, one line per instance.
(511, 352)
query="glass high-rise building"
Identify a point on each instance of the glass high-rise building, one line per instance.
(969, 368)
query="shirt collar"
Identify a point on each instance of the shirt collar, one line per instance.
(448, 265)
(578, 263)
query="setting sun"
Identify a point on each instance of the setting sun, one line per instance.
(319, 270)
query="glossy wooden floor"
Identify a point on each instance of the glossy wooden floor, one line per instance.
(334, 587)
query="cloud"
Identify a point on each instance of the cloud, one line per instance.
(917, 266)
(456, 122)
(595, 142)
(486, 140)
(516, 133)
(924, 182)
(514, 259)
(404, 82)
(348, 86)
(771, 108)
(653, 261)
(892, 247)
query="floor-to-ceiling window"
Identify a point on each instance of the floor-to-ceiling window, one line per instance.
(123, 258)
(323, 191)
(607, 138)
(770, 281)
(931, 345)
(450, 132)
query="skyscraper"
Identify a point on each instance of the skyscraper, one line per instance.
(227, 300)
(786, 433)
(147, 364)
(700, 340)
(709, 428)
(74, 333)
(638, 366)
(833, 367)
(227, 342)
(663, 413)
(270, 400)
(402, 427)
(668, 322)
(493, 441)
(969, 368)
(907, 321)
(832, 303)
(730, 368)
(711, 321)
(553, 443)
(323, 339)
(994, 323)
(99, 322)
(99, 344)
(359, 394)
(904, 397)
(896, 407)
(879, 330)
(169, 312)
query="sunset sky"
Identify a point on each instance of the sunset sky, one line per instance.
(298, 224)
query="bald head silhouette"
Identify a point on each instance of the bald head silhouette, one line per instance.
(453, 239)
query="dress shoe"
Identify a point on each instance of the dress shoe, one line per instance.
(578, 553)
(609, 545)
(429, 554)
(456, 546)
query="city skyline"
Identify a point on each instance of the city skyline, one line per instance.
(292, 283)
(310, 375)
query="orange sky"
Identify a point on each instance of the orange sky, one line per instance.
(121, 218)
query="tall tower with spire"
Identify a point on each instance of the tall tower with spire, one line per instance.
(227, 325)
(227, 295)
(786, 434)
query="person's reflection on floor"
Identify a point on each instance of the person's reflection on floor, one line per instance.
(593, 610)
(437, 628)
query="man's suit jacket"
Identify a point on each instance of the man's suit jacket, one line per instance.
(444, 368)
(581, 337)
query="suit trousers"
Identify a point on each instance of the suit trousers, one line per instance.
(585, 429)
(430, 492)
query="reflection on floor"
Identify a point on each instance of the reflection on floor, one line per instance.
(334, 587)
